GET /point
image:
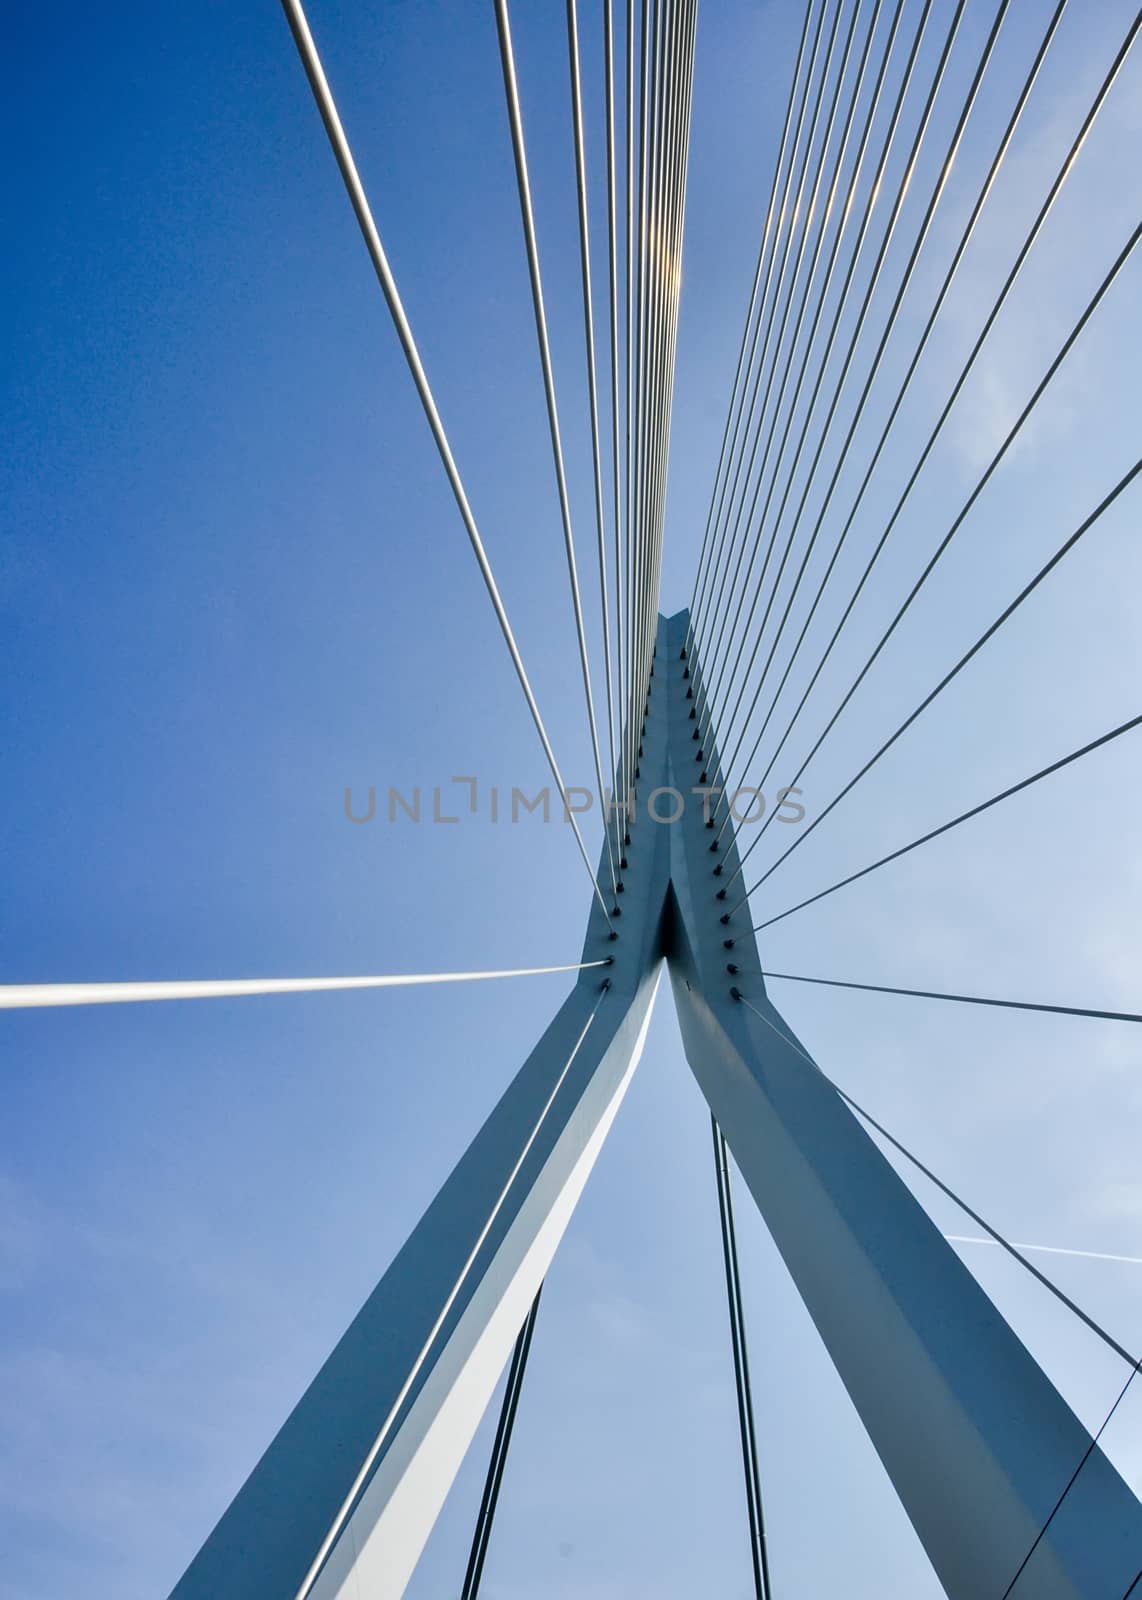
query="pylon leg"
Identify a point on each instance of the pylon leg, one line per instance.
(978, 1443)
(344, 1498)
(394, 1408)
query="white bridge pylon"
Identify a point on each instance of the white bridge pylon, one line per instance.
(977, 1442)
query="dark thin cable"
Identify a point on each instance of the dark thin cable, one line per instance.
(803, 215)
(769, 433)
(989, 633)
(822, 369)
(1107, 1339)
(656, 42)
(654, 48)
(616, 453)
(1025, 249)
(965, 238)
(669, 121)
(758, 1552)
(749, 314)
(981, 483)
(845, 211)
(1087, 1453)
(1133, 1586)
(662, 183)
(874, 193)
(918, 243)
(628, 406)
(763, 319)
(649, 49)
(592, 377)
(822, 233)
(962, 999)
(774, 223)
(965, 816)
(495, 1477)
(679, 148)
(638, 523)
(653, 332)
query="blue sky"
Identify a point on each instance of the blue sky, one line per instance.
(232, 581)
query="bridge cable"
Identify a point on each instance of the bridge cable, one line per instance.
(490, 1498)
(961, 516)
(838, 238)
(962, 999)
(854, 343)
(523, 184)
(874, 367)
(854, 97)
(957, 257)
(703, 597)
(731, 572)
(592, 377)
(1108, 1339)
(677, 137)
(748, 319)
(619, 770)
(873, 195)
(743, 1387)
(659, 87)
(24, 996)
(1013, 274)
(965, 816)
(969, 655)
(1086, 1455)
(663, 212)
(335, 133)
(636, 521)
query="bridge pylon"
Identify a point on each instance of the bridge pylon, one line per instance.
(976, 1440)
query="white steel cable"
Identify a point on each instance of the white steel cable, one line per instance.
(1049, 1249)
(26, 996)
(327, 107)
(616, 453)
(592, 376)
(523, 183)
